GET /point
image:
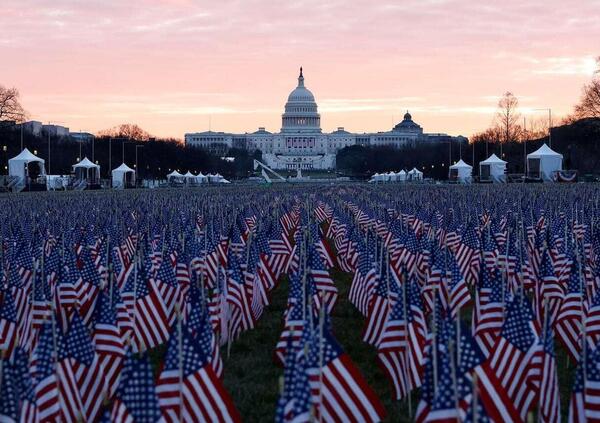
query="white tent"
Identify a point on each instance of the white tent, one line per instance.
(202, 178)
(18, 166)
(123, 176)
(415, 175)
(402, 175)
(219, 179)
(492, 169)
(461, 172)
(378, 177)
(174, 174)
(87, 170)
(543, 163)
(175, 178)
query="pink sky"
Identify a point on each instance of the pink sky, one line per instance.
(168, 65)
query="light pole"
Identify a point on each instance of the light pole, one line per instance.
(524, 146)
(136, 162)
(49, 171)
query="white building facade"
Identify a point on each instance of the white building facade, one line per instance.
(301, 144)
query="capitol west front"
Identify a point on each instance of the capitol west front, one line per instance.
(301, 144)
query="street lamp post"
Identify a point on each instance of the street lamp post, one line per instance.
(49, 167)
(136, 162)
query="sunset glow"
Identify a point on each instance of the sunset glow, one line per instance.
(176, 66)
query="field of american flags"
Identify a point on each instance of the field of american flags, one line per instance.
(320, 303)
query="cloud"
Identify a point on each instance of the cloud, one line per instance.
(567, 66)
(333, 105)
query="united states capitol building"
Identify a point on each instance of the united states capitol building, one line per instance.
(302, 145)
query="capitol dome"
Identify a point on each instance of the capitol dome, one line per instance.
(301, 113)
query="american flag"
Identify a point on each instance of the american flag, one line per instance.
(16, 378)
(151, 323)
(591, 389)
(198, 322)
(241, 318)
(447, 405)
(569, 321)
(188, 388)
(328, 292)
(8, 324)
(89, 373)
(44, 374)
(488, 313)
(468, 256)
(546, 376)
(393, 350)
(136, 398)
(364, 279)
(292, 332)
(108, 341)
(342, 393)
(458, 291)
(511, 358)
(378, 311)
(292, 391)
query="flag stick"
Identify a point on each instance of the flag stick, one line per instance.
(407, 353)
(180, 356)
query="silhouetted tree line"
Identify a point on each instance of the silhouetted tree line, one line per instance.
(578, 142)
(155, 159)
(431, 158)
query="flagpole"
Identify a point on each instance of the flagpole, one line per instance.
(407, 353)
(180, 356)
(321, 322)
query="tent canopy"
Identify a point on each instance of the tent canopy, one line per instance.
(174, 174)
(86, 164)
(461, 165)
(544, 151)
(460, 172)
(124, 168)
(492, 169)
(415, 171)
(544, 162)
(121, 174)
(493, 159)
(17, 165)
(83, 168)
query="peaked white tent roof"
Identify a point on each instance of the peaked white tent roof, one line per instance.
(415, 171)
(402, 172)
(174, 174)
(119, 175)
(123, 168)
(544, 151)
(86, 163)
(189, 175)
(27, 156)
(493, 159)
(16, 165)
(461, 165)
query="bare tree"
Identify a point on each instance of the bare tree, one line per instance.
(10, 106)
(508, 117)
(126, 130)
(536, 128)
(589, 104)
